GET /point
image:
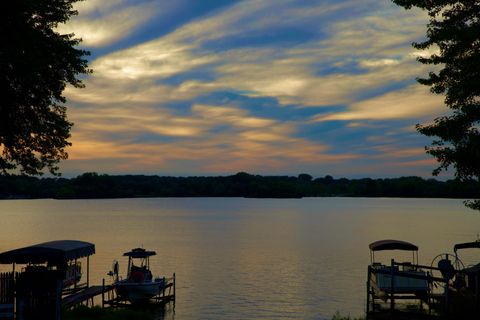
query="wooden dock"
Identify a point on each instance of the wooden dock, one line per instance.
(39, 290)
(110, 299)
(85, 296)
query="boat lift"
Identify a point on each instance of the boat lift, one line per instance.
(397, 281)
(40, 286)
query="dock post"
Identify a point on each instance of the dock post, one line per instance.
(477, 283)
(447, 302)
(88, 271)
(368, 290)
(174, 295)
(163, 290)
(103, 293)
(75, 275)
(392, 287)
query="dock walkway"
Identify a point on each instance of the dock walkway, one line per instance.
(85, 295)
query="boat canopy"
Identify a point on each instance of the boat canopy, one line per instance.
(392, 245)
(467, 245)
(54, 252)
(139, 253)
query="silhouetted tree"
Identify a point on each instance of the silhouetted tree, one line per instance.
(305, 177)
(36, 63)
(454, 29)
(93, 185)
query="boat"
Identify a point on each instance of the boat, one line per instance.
(407, 277)
(139, 286)
(464, 284)
(468, 277)
(458, 282)
(395, 281)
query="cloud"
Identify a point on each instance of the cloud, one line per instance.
(220, 153)
(236, 117)
(392, 152)
(213, 138)
(145, 107)
(413, 102)
(378, 63)
(100, 23)
(136, 120)
(155, 59)
(378, 44)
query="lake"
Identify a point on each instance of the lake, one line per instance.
(241, 258)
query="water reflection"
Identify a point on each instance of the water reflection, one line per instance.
(247, 258)
(161, 312)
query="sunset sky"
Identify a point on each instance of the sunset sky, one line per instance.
(215, 87)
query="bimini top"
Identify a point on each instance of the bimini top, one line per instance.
(54, 252)
(139, 253)
(466, 245)
(392, 245)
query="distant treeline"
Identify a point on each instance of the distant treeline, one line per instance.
(93, 185)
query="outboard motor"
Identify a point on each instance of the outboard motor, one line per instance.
(114, 272)
(446, 268)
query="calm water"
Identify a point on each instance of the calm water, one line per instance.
(247, 258)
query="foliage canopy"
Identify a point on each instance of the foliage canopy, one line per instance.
(36, 64)
(453, 34)
(93, 185)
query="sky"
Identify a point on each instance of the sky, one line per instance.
(271, 87)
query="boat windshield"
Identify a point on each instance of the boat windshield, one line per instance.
(140, 274)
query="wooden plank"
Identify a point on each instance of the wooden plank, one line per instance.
(84, 295)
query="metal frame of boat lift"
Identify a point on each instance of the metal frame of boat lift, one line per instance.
(394, 291)
(374, 293)
(113, 300)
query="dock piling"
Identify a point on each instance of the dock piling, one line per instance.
(368, 290)
(392, 287)
(103, 292)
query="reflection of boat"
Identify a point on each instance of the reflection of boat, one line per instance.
(139, 285)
